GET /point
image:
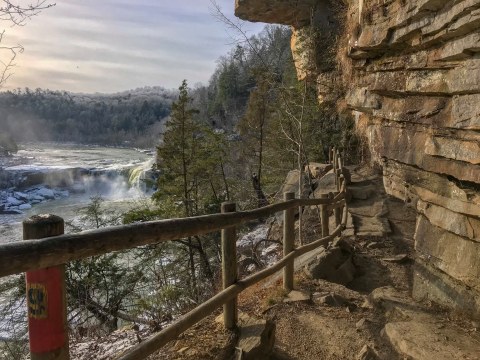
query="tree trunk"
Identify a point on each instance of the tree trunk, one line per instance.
(261, 198)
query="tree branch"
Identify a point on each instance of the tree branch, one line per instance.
(16, 15)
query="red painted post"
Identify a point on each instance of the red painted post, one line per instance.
(46, 297)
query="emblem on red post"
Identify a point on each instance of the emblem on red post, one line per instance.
(37, 300)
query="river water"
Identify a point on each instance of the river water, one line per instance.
(109, 173)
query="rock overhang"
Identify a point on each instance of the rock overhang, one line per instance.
(286, 12)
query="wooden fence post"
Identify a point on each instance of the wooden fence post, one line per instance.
(341, 182)
(338, 169)
(324, 216)
(334, 164)
(229, 267)
(46, 297)
(288, 241)
(338, 213)
(342, 188)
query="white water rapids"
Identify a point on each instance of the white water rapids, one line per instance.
(71, 174)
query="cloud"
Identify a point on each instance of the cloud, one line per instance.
(112, 45)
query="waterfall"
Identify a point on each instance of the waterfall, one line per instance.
(143, 177)
(52, 173)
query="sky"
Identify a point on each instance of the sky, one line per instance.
(113, 45)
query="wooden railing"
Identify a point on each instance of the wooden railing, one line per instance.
(46, 249)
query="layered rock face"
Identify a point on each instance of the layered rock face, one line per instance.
(411, 71)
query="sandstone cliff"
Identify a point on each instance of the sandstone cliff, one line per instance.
(409, 72)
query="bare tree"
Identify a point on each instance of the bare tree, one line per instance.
(15, 14)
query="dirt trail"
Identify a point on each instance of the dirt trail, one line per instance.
(318, 330)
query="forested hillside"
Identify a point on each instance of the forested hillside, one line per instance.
(134, 116)
(125, 118)
(238, 73)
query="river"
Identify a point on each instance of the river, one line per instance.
(74, 173)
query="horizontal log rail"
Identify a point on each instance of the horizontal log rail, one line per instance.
(36, 254)
(46, 251)
(171, 332)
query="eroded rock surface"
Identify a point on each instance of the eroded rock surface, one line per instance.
(411, 80)
(429, 340)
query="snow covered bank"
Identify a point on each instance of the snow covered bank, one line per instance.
(15, 202)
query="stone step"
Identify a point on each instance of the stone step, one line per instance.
(370, 207)
(375, 226)
(362, 192)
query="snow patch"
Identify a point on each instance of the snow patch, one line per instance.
(12, 201)
(107, 347)
(253, 237)
(15, 202)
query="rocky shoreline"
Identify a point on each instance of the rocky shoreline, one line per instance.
(41, 173)
(16, 202)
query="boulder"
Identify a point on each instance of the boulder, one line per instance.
(334, 265)
(361, 192)
(257, 337)
(46, 193)
(391, 300)
(291, 185)
(38, 198)
(9, 211)
(332, 299)
(324, 185)
(317, 170)
(62, 193)
(427, 340)
(295, 296)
